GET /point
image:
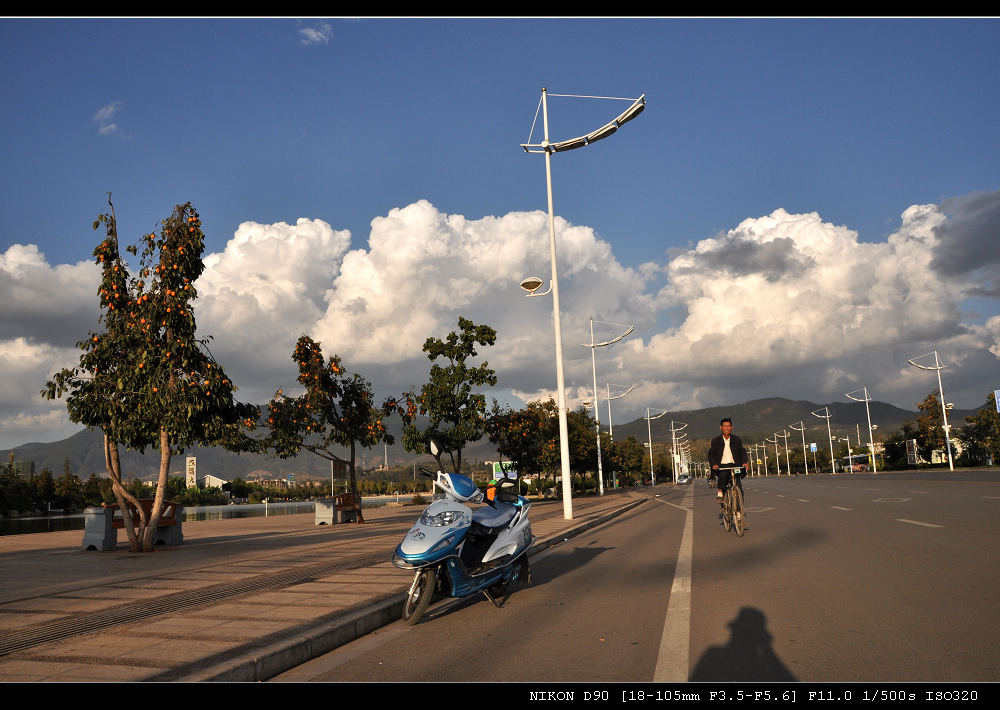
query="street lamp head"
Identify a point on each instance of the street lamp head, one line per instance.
(570, 144)
(632, 111)
(602, 132)
(532, 284)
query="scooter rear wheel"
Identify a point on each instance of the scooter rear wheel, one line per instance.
(419, 597)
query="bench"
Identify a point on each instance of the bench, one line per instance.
(349, 508)
(101, 524)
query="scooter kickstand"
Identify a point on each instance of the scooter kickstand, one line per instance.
(493, 601)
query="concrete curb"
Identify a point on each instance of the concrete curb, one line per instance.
(280, 656)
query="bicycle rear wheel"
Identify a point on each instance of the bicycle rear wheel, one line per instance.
(739, 515)
(727, 510)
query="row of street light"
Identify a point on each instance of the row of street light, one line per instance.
(866, 398)
(532, 284)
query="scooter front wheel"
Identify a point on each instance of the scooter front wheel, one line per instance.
(419, 596)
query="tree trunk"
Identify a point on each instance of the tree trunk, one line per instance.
(354, 483)
(113, 465)
(149, 538)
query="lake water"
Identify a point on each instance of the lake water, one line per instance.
(75, 521)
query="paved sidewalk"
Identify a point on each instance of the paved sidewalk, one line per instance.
(241, 600)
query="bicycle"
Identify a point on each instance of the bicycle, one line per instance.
(733, 514)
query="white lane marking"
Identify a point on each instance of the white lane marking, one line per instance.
(802, 500)
(838, 507)
(917, 522)
(890, 500)
(673, 658)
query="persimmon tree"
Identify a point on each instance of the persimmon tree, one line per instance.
(929, 424)
(337, 411)
(520, 435)
(582, 444)
(146, 380)
(455, 411)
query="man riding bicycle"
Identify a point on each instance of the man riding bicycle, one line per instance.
(726, 450)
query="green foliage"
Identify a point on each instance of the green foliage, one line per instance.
(894, 446)
(456, 413)
(44, 489)
(529, 438)
(980, 436)
(92, 493)
(336, 411)
(146, 380)
(521, 435)
(237, 488)
(629, 458)
(15, 490)
(139, 488)
(212, 495)
(68, 492)
(929, 431)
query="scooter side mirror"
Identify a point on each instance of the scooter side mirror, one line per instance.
(432, 445)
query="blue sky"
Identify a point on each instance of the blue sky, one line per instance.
(344, 121)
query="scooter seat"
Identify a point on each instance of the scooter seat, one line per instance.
(494, 517)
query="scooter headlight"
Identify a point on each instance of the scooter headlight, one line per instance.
(440, 520)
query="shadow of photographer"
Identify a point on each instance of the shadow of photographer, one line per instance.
(748, 655)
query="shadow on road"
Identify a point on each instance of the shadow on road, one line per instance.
(748, 656)
(567, 561)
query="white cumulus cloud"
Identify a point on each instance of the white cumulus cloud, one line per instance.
(780, 305)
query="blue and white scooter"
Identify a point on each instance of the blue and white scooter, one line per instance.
(457, 552)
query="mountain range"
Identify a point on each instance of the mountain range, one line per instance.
(753, 421)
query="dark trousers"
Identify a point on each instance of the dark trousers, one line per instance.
(724, 475)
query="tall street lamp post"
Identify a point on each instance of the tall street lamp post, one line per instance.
(597, 416)
(649, 433)
(833, 467)
(871, 437)
(673, 444)
(611, 429)
(850, 456)
(944, 409)
(777, 453)
(784, 435)
(805, 458)
(548, 148)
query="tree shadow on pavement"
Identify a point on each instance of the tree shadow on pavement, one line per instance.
(747, 657)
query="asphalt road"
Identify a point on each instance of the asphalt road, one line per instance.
(838, 579)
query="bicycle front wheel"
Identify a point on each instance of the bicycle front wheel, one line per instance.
(739, 515)
(727, 510)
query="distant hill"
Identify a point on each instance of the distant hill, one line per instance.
(761, 418)
(85, 452)
(753, 421)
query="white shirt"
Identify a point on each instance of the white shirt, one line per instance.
(727, 454)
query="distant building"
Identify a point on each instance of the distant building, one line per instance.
(210, 481)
